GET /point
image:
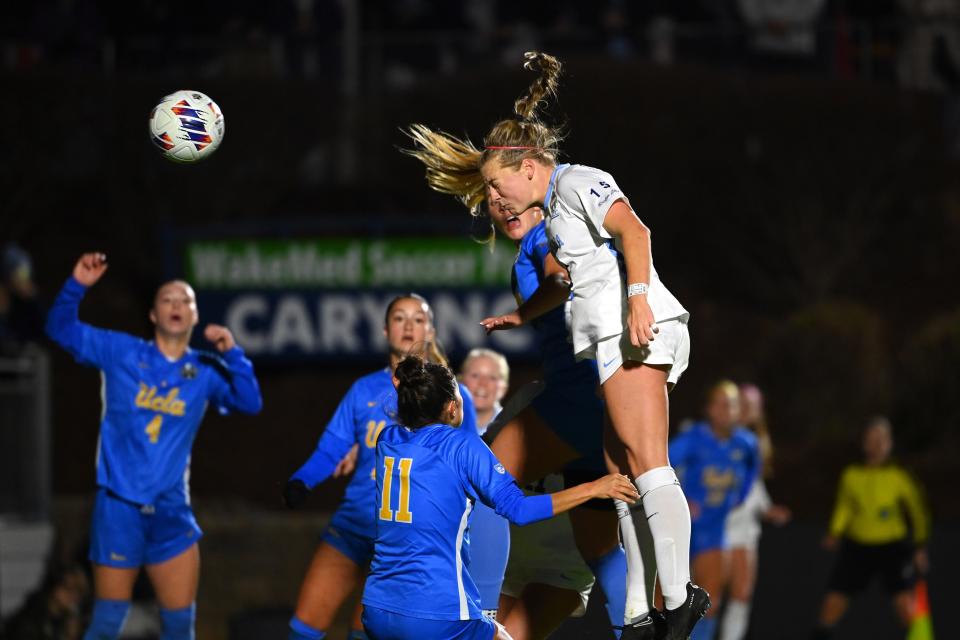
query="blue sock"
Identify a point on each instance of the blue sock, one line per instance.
(177, 624)
(107, 619)
(300, 630)
(489, 551)
(611, 572)
(705, 629)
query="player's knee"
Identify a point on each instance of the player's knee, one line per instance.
(178, 624)
(107, 619)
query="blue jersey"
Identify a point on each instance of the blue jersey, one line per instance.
(551, 328)
(428, 481)
(369, 406)
(152, 407)
(715, 474)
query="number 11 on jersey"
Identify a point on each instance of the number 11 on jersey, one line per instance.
(403, 513)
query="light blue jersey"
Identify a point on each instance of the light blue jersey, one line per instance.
(369, 406)
(428, 481)
(152, 407)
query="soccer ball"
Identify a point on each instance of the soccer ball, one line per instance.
(186, 126)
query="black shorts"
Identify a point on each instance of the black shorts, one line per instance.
(858, 563)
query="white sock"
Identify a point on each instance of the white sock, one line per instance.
(669, 519)
(736, 619)
(637, 607)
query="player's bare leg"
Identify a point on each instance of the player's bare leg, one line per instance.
(175, 583)
(330, 580)
(529, 449)
(539, 611)
(834, 606)
(710, 572)
(175, 580)
(112, 583)
(903, 605)
(636, 397)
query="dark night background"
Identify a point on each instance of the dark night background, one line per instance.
(804, 207)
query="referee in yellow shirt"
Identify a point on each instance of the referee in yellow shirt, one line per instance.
(880, 526)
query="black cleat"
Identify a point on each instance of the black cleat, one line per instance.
(682, 620)
(653, 627)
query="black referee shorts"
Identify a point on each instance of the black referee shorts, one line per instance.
(857, 564)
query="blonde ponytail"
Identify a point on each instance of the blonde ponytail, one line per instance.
(453, 164)
(543, 87)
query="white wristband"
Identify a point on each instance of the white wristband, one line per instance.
(637, 289)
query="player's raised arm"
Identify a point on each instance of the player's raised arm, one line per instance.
(87, 344)
(499, 490)
(242, 391)
(337, 440)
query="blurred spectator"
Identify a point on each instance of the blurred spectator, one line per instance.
(21, 319)
(930, 54)
(782, 27)
(56, 610)
(880, 526)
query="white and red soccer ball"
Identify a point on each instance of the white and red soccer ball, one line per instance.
(186, 126)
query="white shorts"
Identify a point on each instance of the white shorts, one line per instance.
(742, 528)
(545, 553)
(671, 346)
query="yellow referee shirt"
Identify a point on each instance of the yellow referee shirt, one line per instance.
(873, 504)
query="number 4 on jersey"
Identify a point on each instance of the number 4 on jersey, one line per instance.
(403, 511)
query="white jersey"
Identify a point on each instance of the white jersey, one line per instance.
(742, 527)
(577, 202)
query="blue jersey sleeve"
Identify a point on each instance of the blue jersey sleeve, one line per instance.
(680, 449)
(87, 344)
(469, 411)
(237, 388)
(335, 442)
(496, 488)
(539, 245)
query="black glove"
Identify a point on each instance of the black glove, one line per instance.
(294, 493)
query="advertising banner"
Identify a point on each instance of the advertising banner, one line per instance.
(325, 298)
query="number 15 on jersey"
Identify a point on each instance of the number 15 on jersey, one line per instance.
(402, 513)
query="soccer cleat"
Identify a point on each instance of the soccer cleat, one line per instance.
(653, 627)
(682, 620)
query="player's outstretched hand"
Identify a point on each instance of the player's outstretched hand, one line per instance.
(778, 515)
(220, 336)
(510, 320)
(347, 465)
(89, 268)
(295, 493)
(616, 486)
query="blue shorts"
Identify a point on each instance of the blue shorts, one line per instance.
(386, 625)
(571, 408)
(127, 535)
(357, 547)
(706, 536)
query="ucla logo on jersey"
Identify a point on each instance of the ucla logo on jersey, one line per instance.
(736, 455)
(499, 468)
(171, 404)
(188, 372)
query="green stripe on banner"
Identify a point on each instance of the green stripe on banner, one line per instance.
(339, 263)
